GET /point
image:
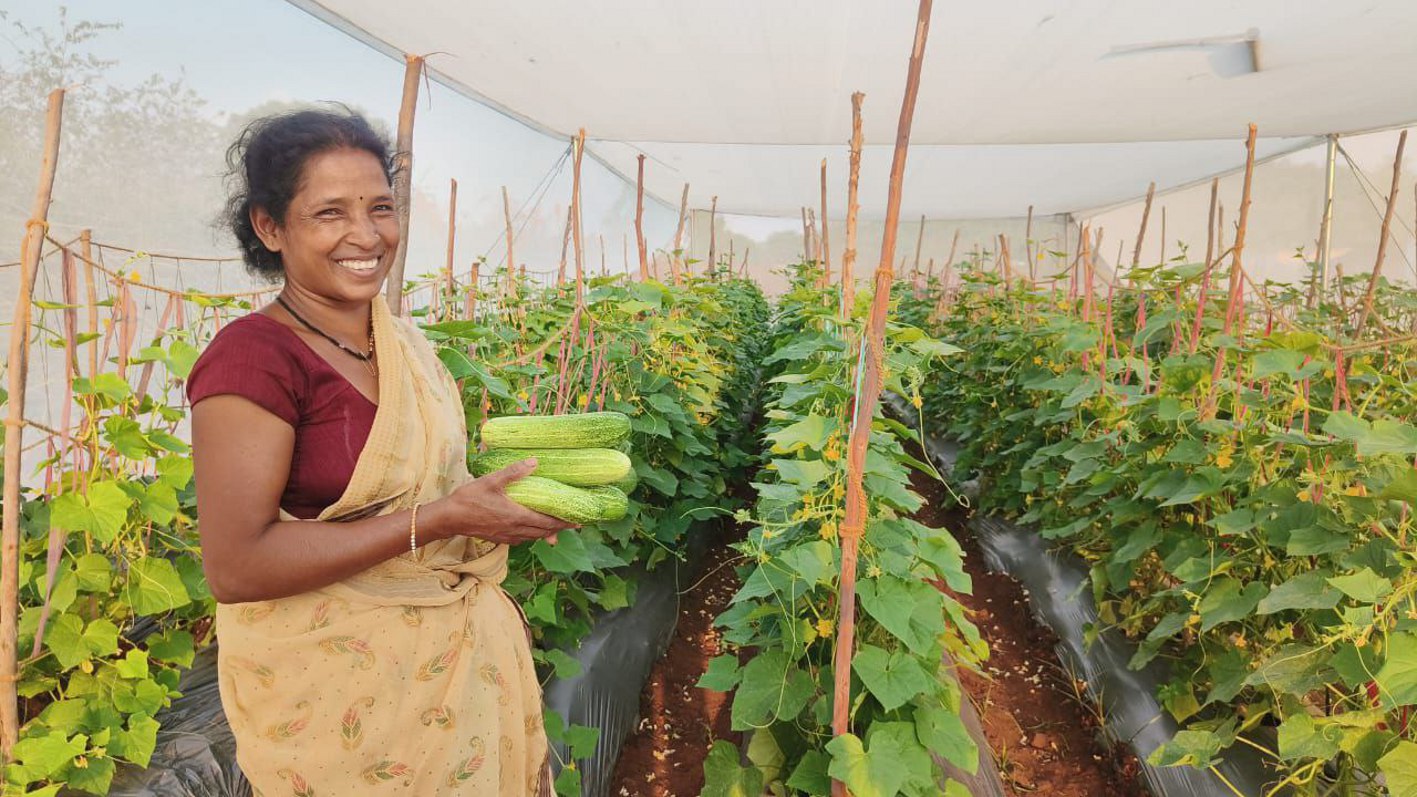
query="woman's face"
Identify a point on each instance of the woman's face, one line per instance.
(339, 234)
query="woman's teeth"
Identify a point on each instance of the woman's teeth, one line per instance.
(359, 265)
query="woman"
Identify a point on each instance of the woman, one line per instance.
(364, 641)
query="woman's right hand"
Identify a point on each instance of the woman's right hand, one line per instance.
(482, 509)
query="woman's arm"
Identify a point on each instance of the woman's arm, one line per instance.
(242, 456)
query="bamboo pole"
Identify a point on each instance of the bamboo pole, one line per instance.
(826, 241)
(90, 297)
(576, 233)
(565, 246)
(14, 428)
(640, 221)
(1028, 247)
(603, 268)
(853, 206)
(1008, 259)
(1326, 225)
(1163, 235)
(676, 257)
(954, 245)
(919, 242)
(713, 236)
(1141, 233)
(870, 392)
(511, 288)
(452, 236)
(1383, 237)
(403, 178)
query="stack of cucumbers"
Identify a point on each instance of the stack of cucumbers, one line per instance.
(583, 473)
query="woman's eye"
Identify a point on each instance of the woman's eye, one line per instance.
(384, 208)
(328, 213)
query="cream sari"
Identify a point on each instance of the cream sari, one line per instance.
(413, 677)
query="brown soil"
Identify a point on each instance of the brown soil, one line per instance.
(1043, 733)
(1044, 737)
(679, 722)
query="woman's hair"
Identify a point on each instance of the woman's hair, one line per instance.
(267, 161)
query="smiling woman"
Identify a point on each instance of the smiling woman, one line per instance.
(361, 640)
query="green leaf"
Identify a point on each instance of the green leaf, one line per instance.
(1364, 586)
(133, 665)
(65, 639)
(154, 586)
(1227, 600)
(1397, 679)
(805, 473)
(723, 777)
(722, 674)
(582, 740)
(568, 555)
(943, 733)
(894, 678)
(1304, 591)
(173, 645)
(771, 688)
(1300, 737)
(813, 561)
(810, 432)
(49, 753)
(1399, 766)
(1188, 748)
(181, 356)
(615, 594)
(877, 773)
(566, 667)
(94, 572)
(911, 610)
(126, 437)
(811, 776)
(102, 512)
(137, 742)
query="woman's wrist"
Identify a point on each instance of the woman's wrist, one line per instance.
(435, 522)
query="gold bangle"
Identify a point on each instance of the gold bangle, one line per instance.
(413, 531)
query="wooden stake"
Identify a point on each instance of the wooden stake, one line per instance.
(1383, 236)
(919, 242)
(603, 270)
(403, 178)
(1141, 234)
(565, 246)
(579, 149)
(713, 236)
(1211, 221)
(640, 220)
(1008, 260)
(90, 297)
(676, 257)
(511, 290)
(806, 237)
(35, 230)
(452, 236)
(1163, 235)
(826, 244)
(855, 521)
(1028, 247)
(954, 245)
(853, 206)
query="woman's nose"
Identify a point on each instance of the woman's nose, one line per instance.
(364, 231)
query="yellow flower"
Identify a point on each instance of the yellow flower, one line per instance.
(763, 557)
(915, 401)
(1037, 360)
(827, 531)
(82, 762)
(824, 627)
(873, 572)
(1357, 491)
(134, 276)
(1305, 496)
(1224, 458)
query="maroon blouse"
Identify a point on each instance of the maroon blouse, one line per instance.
(266, 363)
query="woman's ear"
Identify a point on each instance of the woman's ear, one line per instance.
(266, 227)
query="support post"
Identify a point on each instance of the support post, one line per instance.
(1326, 226)
(640, 221)
(452, 239)
(35, 230)
(853, 207)
(403, 178)
(873, 344)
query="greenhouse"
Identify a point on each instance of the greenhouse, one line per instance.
(730, 399)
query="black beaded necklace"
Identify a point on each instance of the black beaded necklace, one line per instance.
(367, 359)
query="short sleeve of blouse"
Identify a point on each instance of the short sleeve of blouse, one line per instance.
(253, 358)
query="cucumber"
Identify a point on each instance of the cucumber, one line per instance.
(571, 504)
(579, 467)
(584, 430)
